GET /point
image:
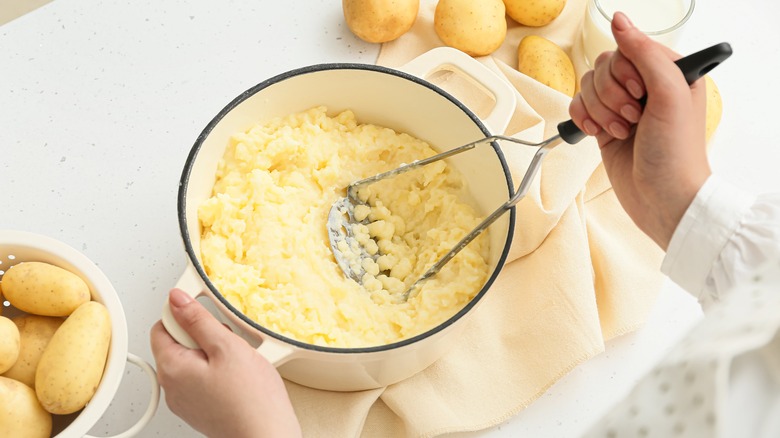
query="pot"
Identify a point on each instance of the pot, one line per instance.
(398, 99)
(17, 247)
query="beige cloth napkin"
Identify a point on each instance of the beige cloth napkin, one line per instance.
(579, 273)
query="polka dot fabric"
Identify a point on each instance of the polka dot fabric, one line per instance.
(687, 394)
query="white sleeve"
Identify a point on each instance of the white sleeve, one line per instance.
(723, 237)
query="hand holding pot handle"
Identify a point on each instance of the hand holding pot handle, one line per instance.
(190, 284)
(244, 394)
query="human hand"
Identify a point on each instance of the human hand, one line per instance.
(655, 156)
(227, 389)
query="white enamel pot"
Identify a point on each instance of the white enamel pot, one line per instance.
(398, 99)
(19, 246)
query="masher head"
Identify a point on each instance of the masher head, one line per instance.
(347, 250)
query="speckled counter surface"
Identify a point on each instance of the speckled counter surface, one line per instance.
(100, 104)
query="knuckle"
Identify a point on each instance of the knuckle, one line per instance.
(587, 77)
(602, 58)
(577, 109)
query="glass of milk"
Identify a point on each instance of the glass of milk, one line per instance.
(662, 20)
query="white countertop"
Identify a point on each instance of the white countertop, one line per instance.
(100, 103)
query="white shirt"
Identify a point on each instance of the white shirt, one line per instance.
(723, 379)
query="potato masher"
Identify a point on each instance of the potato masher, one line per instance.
(341, 218)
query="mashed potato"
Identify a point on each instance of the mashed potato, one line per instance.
(265, 243)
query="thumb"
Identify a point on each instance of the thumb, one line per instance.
(201, 325)
(654, 61)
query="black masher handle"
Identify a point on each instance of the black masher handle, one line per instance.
(693, 67)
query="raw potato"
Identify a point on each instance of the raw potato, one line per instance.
(9, 344)
(714, 107)
(72, 365)
(477, 27)
(544, 61)
(21, 415)
(44, 289)
(534, 12)
(35, 332)
(379, 21)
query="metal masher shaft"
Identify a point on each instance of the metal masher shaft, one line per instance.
(419, 163)
(536, 162)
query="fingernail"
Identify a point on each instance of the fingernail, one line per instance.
(179, 298)
(621, 21)
(617, 130)
(634, 89)
(630, 113)
(589, 127)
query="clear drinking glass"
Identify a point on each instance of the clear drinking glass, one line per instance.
(662, 20)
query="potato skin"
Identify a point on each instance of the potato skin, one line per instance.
(44, 289)
(35, 332)
(9, 344)
(21, 415)
(72, 365)
(534, 13)
(380, 21)
(544, 61)
(714, 109)
(477, 27)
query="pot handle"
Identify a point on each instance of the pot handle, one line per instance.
(450, 59)
(154, 401)
(190, 283)
(274, 352)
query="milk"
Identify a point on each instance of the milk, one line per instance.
(651, 16)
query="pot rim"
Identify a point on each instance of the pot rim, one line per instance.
(192, 157)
